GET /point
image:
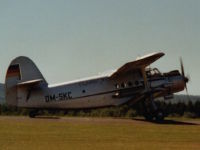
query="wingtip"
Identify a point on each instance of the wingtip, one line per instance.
(159, 54)
(162, 53)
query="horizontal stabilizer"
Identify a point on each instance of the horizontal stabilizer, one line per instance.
(30, 82)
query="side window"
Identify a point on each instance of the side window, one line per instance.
(117, 86)
(130, 84)
(123, 85)
(136, 83)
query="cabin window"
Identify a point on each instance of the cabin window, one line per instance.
(117, 86)
(142, 82)
(136, 83)
(123, 85)
(130, 84)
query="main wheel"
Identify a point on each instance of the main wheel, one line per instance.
(148, 117)
(160, 116)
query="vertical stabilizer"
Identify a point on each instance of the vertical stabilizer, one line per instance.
(21, 69)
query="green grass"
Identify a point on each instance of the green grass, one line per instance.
(22, 133)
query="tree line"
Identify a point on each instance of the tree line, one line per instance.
(190, 109)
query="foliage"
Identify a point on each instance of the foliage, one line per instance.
(189, 109)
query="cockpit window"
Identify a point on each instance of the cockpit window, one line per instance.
(153, 72)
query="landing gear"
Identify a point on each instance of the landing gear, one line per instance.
(151, 112)
(159, 116)
(33, 113)
(149, 117)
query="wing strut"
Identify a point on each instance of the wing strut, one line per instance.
(145, 78)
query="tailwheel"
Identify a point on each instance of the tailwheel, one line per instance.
(33, 113)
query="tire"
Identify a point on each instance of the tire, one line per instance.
(148, 117)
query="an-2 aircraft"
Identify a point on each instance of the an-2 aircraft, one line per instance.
(131, 83)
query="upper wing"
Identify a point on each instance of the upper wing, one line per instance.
(140, 63)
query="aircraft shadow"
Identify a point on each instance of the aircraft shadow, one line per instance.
(46, 117)
(169, 122)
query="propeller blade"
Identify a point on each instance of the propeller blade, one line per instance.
(186, 88)
(186, 79)
(182, 67)
(187, 93)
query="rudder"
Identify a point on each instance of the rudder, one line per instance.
(20, 70)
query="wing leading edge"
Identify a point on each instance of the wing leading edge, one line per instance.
(139, 63)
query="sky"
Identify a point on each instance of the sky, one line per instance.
(72, 39)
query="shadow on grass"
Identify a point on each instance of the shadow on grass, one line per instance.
(169, 122)
(46, 117)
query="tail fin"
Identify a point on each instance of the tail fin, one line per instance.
(22, 71)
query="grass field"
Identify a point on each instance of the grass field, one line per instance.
(23, 133)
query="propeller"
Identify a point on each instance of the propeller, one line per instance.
(186, 79)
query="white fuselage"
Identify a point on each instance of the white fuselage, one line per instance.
(91, 93)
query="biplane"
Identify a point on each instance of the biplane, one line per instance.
(133, 82)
